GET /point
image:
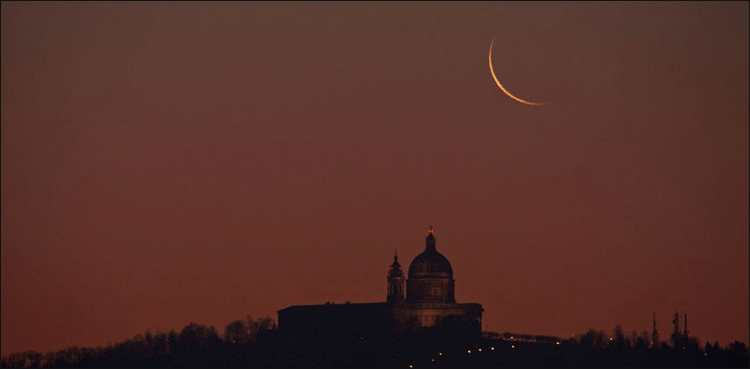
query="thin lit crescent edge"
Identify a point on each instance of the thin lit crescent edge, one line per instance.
(492, 71)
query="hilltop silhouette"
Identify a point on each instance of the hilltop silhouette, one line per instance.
(260, 343)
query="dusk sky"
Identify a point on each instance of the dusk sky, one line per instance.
(168, 163)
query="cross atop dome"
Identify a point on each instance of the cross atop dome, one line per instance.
(430, 240)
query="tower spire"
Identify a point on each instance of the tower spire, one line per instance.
(395, 281)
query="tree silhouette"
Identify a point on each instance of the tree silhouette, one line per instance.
(237, 332)
(640, 342)
(620, 342)
(593, 339)
(676, 337)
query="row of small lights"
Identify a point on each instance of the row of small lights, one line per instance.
(511, 346)
(469, 351)
(492, 348)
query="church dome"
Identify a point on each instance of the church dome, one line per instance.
(430, 276)
(430, 263)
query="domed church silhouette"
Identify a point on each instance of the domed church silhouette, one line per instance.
(427, 301)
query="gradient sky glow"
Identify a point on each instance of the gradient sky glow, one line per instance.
(168, 163)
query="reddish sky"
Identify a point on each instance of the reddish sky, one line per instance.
(164, 163)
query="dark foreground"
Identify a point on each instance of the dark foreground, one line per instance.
(200, 346)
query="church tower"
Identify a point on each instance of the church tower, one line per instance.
(395, 281)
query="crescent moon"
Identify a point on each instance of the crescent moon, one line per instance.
(492, 71)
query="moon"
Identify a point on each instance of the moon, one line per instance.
(492, 71)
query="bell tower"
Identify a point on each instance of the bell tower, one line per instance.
(395, 281)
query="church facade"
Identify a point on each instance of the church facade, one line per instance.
(425, 299)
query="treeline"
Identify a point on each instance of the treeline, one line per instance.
(194, 346)
(258, 343)
(596, 348)
(644, 349)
